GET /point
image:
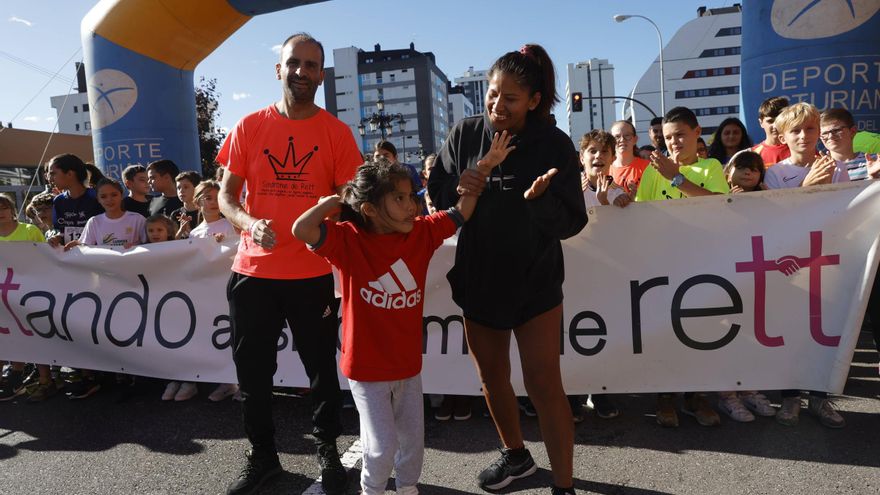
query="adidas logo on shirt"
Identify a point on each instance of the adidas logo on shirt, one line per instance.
(387, 292)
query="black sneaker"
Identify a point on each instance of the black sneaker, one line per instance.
(11, 385)
(256, 471)
(513, 464)
(125, 389)
(84, 388)
(334, 477)
(562, 491)
(604, 406)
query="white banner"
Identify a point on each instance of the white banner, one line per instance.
(751, 291)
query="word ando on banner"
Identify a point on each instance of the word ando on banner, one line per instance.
(56, 324)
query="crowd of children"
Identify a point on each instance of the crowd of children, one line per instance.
(384, 222)
(80, 209)
(789, 156)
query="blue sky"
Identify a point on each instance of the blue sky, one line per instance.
(460, 33)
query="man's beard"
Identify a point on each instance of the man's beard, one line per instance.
(302, 93)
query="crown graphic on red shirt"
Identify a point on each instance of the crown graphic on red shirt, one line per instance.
(290, 168)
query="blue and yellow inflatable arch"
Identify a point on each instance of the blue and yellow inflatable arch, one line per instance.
(139, 57)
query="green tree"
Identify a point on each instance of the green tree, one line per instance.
(211, 136)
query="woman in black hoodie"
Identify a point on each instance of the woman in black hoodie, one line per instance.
(508, 269)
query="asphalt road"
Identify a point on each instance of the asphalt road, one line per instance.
(149, 447)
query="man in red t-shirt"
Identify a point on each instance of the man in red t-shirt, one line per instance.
(285, 156)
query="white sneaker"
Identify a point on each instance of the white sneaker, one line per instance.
(170, 390)
(824, 409)
(407, 490)
(733, 407)
(187, 391)
(757, 403)
(223, 391)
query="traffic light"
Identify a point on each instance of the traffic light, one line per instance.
(577, 102)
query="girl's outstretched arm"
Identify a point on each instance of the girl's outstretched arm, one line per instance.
(307, 227)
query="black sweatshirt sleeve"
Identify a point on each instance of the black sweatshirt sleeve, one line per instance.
(560, 212)
(444, 176)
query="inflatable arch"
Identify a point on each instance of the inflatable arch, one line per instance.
(139, 57)
(824, 52)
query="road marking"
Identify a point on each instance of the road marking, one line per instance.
(348, 459)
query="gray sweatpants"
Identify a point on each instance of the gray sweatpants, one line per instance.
(392, 433)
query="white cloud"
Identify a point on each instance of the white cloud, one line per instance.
(276, 49)
(240, 96)
(22, 21)
(31, 118)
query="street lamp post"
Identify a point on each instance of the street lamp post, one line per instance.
(621, 18)
(382, 122)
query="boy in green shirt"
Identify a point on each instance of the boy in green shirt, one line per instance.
(682, 175)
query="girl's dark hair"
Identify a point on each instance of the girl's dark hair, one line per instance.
(716, 149)
(746, 158)
(95, 174)
(68, 162)
(387, 146)
(110, 182)
(533, 69)
(371, 182)
(170, 225)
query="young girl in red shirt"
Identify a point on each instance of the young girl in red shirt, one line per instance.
(382, 250)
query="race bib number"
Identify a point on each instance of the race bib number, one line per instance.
(72, 233)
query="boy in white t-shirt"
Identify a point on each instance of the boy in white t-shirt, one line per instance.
(798, 125)
(596, 156)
